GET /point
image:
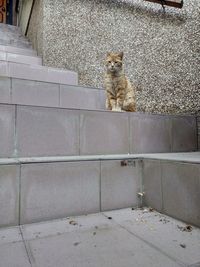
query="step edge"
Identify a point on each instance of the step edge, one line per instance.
(54, 159)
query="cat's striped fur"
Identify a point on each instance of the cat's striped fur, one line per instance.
(120, 94)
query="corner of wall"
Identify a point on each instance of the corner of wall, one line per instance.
(36, 27)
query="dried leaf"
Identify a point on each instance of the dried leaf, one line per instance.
(73, 223)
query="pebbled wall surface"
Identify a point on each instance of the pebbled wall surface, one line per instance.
(162, 51)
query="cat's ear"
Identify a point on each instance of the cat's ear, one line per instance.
(108, 54)
(121, 54)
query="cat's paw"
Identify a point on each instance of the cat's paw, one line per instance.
(117, 109)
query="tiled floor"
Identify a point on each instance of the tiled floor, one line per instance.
(119, 238)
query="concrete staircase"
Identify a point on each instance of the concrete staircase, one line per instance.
(63, 154)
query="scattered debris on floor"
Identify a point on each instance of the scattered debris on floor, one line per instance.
(94, 233)
(183, 245)
(145, 210)
(73, 223)
(141, 220)
(164, 220)
(151, 209)
(76, 244)
(187, 228)
(109, 218)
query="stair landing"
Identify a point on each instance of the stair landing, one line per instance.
(122, 238)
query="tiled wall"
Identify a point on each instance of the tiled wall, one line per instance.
(42, 191)
(173, 188)
(45, 191)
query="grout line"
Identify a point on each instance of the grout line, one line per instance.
(19, 197)
(11, 90)
(161, 181)
(171, 136)
(79, 132)
(100, 208)
(153, 246)
(15, 133)
(28, 251)
(147, 242)
(59, 95)
(141, 178)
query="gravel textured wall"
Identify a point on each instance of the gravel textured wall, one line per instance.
(162, 51)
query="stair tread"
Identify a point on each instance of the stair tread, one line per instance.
(17, 50)
(46, 94)
(38, 73)
(21, 59)
(190, 157)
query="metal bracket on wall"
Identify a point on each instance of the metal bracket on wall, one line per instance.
(163, 5)
(141, 194)
(128, 162)
(172, 3)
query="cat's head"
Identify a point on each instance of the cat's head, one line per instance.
(114, 62)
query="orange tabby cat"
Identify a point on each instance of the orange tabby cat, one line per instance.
(120, 95)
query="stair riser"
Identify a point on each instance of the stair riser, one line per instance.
(173, 189)
(13, 38)
(16, 43)
(15, 50)
(46, 191)
(27, 92)
(38, 192)
(16, 58)
(12, 35)
(37, 73)
(36, 131)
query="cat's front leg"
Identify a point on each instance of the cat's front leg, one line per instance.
(108, 105)
(120, 99)
(117, 108)
(110, 101)
(113, 103)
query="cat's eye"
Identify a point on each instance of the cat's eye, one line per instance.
(109, 61)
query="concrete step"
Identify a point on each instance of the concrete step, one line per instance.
(38, 73)
(28, 131)
(13, 37)
(17, 34)
(16, 58)
(38, 189)
(28, 92)
(16, 50)
(20, 43)
(63, 187)
(10, 29)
